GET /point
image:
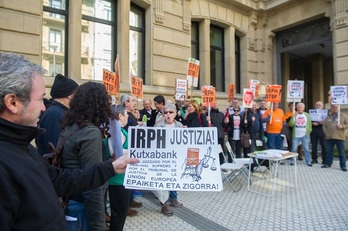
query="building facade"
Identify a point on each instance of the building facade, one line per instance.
(272, 41)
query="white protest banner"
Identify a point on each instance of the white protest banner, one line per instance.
(339, 94)
(317, 114)
(181, 89)
(254, 85)
(192, 72)
(295, 90)
(180, 159)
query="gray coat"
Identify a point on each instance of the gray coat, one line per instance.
(83, 149)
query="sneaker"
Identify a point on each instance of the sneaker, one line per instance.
(314, 161)
(176, 203)
(325, 166)
(132, 213)
(136, 204)
(166, 210)
(344, 169)
(300, 158)
(309, 165)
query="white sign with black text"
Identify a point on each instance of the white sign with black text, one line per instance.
(180, 159)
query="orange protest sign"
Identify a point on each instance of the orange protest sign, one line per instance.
(137, 86)
(273, 93)
(192, 72)
(231, 91)
(110, 81)
(208, 96)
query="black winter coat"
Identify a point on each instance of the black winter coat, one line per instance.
(29, 186)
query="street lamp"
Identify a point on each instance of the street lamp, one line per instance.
(54, 46)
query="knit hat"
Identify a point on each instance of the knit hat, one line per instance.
(62, 87)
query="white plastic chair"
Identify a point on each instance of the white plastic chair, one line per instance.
(230, 172)
(244, 161)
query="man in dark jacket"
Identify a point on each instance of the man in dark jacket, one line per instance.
(29, 186)
(217, 120)
(147, 111)
(62, 91)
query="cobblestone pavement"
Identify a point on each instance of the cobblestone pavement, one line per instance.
(319, 202)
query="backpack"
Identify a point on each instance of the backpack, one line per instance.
(54, 158)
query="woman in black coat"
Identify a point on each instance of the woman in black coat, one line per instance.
(194, 117)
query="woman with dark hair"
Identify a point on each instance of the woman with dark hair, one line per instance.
(85, 125)
(194, 116)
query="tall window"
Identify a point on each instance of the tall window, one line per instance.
(54, 36)
(195, 43)
(98, 49)
(217, 58)
(194, 40)
(137, 41)
(237, 54)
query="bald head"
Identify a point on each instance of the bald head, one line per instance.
(319, 105)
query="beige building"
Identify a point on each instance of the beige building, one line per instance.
(272, 41)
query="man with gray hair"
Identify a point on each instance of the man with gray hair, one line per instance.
(29, 186)
(301, 128)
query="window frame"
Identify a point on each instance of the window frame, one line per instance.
(143, 32)
(65, 12)
(222, 49)
(113, 24)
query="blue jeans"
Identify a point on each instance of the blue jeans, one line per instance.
(77, 210)
(330, 150)
(274, 140)
(173, 195)
(305, 146)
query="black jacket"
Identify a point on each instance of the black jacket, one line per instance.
(196, 120)
(217, 120)
(51, 121)
(29, 186)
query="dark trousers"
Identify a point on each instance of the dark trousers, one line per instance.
(221, 155)
(318, 135)
(236, 147)
(119, 203)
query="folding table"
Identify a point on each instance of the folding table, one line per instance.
(274, 156)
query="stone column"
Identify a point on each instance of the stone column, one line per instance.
(123, 9)
(74, 53)
(230, 56)
(340, 41)
(204, 52)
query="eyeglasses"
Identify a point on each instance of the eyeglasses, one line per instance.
(170, 112)
(235, 110)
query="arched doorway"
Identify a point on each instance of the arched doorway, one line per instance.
(304, 53)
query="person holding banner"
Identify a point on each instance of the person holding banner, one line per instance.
(275, 120)
(118, 194)
(129, 102)
(334, 129)
(318, 134)
(169, 198)
(234, 123)
(301, 128)
(253, 123)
